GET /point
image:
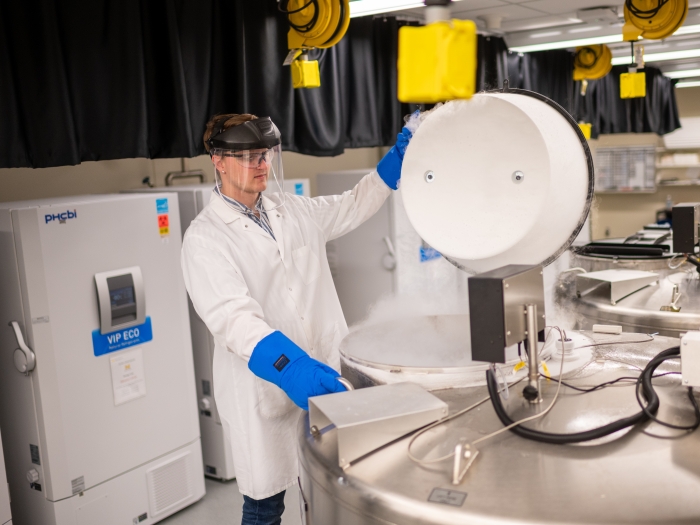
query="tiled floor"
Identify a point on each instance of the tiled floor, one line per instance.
(222, 506)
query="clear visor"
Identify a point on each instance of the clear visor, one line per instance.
(242, 175)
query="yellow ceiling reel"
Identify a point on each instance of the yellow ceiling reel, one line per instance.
(651, 19)
(437, 61)
(313, 24)
(591, 63)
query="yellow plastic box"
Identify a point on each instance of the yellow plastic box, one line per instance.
(633, 85)
(305, 74)
(437, 62)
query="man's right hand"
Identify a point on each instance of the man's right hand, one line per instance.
(278, 359)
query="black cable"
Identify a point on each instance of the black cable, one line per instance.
(577, 437)
(310, 24)
(690, 428)
(587, 50)
(644, 14)
(607, 383)
(307, 4)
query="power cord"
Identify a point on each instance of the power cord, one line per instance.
(651, 415)
(644, 381)
(626, 379)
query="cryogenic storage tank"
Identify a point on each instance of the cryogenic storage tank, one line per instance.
(433, 351)
(670, 305)
(505, 178)
(515, 481)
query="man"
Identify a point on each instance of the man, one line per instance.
(256, 270)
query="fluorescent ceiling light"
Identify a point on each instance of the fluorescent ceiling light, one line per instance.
(683, 74)
(610, 39)
(688, 84)
(373, 7)
(659, 57)
(687, 30)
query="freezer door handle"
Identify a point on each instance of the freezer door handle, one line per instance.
(25, 360)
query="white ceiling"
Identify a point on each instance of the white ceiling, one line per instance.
(526, 22)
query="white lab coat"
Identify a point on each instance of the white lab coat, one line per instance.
(244, 285)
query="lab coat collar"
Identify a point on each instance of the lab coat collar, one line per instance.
(229, 215)
(225, 213)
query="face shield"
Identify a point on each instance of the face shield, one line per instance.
(248, 161)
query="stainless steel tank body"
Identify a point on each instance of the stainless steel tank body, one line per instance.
(642, 310)
(632, 478)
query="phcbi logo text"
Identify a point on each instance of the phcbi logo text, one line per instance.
(60, 217)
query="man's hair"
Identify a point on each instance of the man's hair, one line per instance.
(231, 120)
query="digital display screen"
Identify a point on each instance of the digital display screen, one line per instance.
(121, 296)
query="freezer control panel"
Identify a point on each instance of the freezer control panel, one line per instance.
(120, 298)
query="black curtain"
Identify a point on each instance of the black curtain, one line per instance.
(551, 74)
(492, 63)
(103, 80)
(603, 107)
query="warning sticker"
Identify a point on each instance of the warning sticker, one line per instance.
(161, 205)
(164, 224)
(78, 484)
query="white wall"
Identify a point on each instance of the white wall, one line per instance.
(111, 176)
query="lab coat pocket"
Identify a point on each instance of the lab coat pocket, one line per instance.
(273, 402)
(306, 262)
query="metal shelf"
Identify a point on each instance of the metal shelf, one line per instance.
(625, 192)
(678, 183)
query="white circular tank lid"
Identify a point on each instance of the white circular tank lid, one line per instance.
(502, 178)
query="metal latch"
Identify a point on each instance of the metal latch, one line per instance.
(24, 357)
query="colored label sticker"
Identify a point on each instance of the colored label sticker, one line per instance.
(162, 205)
(165, 230)
(163, 220)
(298, 188)
(428, 254)
(125, 338)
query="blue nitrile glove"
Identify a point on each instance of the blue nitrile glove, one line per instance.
(389, 168)
(278, 360)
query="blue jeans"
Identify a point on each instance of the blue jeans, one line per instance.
(266, 511)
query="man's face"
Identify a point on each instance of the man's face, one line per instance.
(245, 171)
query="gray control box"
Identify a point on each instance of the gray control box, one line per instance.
(497, 302)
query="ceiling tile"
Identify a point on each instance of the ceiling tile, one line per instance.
(557, 7)
(507, 11)
(476, 4)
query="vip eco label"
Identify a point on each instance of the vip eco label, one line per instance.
(135, 335)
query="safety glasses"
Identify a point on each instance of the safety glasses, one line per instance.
(252, 159)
